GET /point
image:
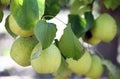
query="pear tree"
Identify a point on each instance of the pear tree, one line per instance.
(35, 35)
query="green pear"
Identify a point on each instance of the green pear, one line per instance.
(16, 29)
(96, 69)
(48, 61)
(90, 39)
(21, 50)
(82, 65)
(105, 28)
(63, 72)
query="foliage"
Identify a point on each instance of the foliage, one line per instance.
(70, 48)
(113, 71)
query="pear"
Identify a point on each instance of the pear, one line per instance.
(90, 39)
(16, 29)
(105, 28)
(80, 66)
(96, 69)
(21, 50)
(48, 61)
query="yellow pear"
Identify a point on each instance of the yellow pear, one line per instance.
(90, 39)
(16, 29)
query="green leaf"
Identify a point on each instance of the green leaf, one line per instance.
(27, 12)
(52, 8)
(77, 24)
(75, 7)
(86, 1)
(1, 14)
(89, 21)
(84, 9)
(80, 25)
(45, 33)
(113, 71)
(111, 4)
(8, 28)
(69, 44)
(80, 7)
(63, 71)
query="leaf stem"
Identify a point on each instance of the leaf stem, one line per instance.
(55, 18)
(96, 51)
(99, 53)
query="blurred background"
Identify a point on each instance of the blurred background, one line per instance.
(10, 70)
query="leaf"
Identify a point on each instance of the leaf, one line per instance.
(113, 71)
(27, 12)
(80, 25)
(111, 4)
(63, 71)
(89, 21)
(80, 7)
(1, 14)
(87, 2)
(45, 33)
(77, 24)
(84, 9)
(37, 53)
(8, 28)
(52, 8)
(75, 7)
(69, 44)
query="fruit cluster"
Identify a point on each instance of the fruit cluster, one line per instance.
(27, 50)
(24, 50)
(88, 65)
